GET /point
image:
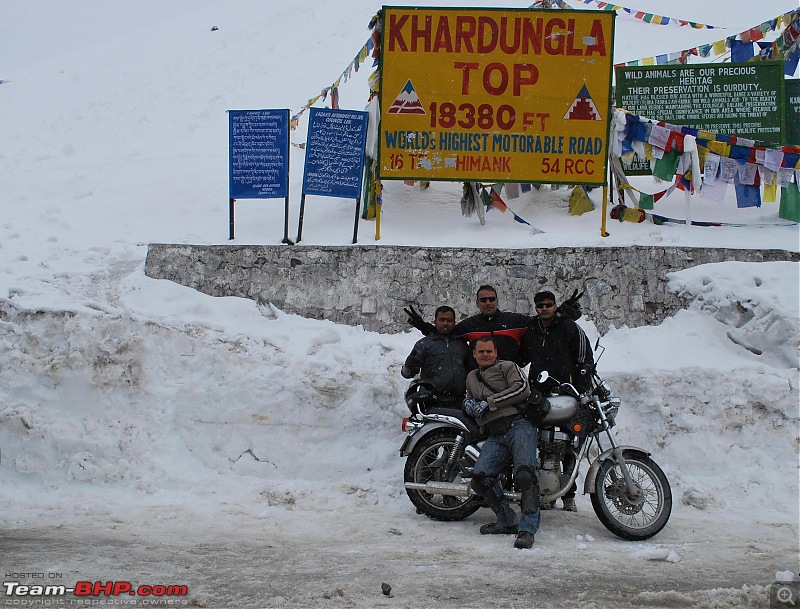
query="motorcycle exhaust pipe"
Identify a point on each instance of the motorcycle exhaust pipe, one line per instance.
(451, 489)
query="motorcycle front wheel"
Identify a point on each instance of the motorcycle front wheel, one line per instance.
(638, 516)
(425, 463)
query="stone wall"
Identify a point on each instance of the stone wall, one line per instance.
(370, 285)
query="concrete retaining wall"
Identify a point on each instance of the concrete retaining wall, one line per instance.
(371, 285)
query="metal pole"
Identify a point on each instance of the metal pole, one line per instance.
(230, 219)
(286, 221)
(300, 223)
(378, 201)
(355, 224)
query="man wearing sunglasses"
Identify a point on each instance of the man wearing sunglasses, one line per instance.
(505, 327)
(557, 344)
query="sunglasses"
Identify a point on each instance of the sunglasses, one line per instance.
(487, 299)
(545, 305)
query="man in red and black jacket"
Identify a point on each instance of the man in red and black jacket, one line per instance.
(505, 327)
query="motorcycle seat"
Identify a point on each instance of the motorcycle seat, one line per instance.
(473, 427)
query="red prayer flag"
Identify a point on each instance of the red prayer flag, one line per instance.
(498, 203)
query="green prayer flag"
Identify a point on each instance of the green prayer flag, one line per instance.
(645, 201)
(667, 165)
(790, 203)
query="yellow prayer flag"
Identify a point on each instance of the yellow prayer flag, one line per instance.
(719, 47)
(648, 61)
(706, 135)
(579, 202)
(770, 192)
(720, 148)
(702, 155)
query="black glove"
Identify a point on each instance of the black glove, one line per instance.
(571, 307)
(415, 319)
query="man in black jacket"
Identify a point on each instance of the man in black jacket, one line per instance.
(441, 359)
(557, 344)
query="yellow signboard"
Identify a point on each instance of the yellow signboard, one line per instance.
(495, 95)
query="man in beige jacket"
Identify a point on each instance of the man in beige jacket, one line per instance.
(494, 391)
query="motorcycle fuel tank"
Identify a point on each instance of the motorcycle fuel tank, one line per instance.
(562, 408)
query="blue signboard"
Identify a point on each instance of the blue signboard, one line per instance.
(259, 154)
(335, 153)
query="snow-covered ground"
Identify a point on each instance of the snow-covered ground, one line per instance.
(156, 435)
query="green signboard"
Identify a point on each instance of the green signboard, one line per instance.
(742, 99)
(792, 113)
(637, 166)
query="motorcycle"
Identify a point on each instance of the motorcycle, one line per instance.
(630, 494)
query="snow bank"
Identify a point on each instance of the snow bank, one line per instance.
(172, 389)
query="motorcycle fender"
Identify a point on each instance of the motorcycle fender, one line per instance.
(591, 475)
(411, 441)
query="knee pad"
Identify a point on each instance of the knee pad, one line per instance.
(478, 484)
(528, 486)
(525, 478)
(484, 488)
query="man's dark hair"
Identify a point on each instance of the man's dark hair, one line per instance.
(444, 309)
(485, 287)
(540, 296)
(484, 339)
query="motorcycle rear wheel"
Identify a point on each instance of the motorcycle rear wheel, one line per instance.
(634, 518)
(424, 464)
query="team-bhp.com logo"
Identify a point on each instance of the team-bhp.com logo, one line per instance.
(94, 589)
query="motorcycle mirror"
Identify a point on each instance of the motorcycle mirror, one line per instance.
(598, 350)
(542, 376)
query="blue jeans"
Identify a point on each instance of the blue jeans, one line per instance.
(519, 444)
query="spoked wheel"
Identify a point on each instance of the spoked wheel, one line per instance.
(632, 516)
(426, 463)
